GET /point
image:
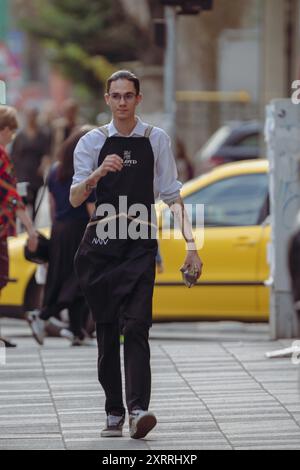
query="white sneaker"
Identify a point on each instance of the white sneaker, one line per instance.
(37, 326)
(140, 423)
(67, 334)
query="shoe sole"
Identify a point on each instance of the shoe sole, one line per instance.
(111, 434)
(143, 426)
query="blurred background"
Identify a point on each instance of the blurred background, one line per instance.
(228, 65)
(208, 69)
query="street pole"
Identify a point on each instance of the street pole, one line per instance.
(170, 71)
(283, 142)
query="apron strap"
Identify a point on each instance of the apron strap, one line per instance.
(148, 131)
(104, 130)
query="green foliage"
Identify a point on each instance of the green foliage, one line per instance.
(85, 39)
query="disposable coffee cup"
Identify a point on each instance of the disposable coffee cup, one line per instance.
(22, 188)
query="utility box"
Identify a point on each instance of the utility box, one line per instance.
(282, 135)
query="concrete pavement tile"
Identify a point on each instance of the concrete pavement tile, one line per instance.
(15, 385)
(76, 404)
(32, 444)
(124, 443)
(24, 400)
(283, 425)
(270, 447)
(31, 428)
(187, 445)
(187, 378)
(28, 435)
(24, 421)
(13, 411)
(267, 440)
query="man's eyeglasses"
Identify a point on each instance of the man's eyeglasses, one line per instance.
(128, 97)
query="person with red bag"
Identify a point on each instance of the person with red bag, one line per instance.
(11, 204)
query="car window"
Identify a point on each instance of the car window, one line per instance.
(214, 143)
(235, 201)
(249, 141)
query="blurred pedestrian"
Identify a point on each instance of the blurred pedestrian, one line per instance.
(47, 118)
(30, 149)
(11, 204)
(62, 290)
(130, 159)
(65, 125)
(185, 168)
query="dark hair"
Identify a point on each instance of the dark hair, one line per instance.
(65, 154)
(124, 75)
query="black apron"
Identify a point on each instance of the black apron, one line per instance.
(117, 275)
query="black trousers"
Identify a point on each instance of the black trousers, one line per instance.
(136, 364)
(3, 263)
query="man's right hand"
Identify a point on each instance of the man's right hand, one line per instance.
(80, 192)
(111, 163)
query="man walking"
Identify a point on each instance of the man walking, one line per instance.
(125, 159)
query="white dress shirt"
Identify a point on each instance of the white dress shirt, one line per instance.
(165, 184)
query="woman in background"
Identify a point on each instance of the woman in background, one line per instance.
(29, 153)
(62, 290)
(11, 205)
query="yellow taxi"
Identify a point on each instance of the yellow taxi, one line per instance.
(234, 252)
(22, 293)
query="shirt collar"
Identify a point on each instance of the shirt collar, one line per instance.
(139, 129)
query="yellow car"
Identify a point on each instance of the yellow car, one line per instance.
(236, 234)
(22, 293)
(234, 254)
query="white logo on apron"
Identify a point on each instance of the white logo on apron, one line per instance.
(127, 159)
(99, 241)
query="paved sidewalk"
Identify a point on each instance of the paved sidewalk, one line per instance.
(212, 389)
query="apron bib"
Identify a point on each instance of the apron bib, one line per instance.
(117, 275)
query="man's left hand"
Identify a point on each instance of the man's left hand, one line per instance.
(193, 263)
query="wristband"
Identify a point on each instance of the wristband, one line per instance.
(191, 245)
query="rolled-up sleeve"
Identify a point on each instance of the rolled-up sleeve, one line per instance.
(166, 183)
(84, 159)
